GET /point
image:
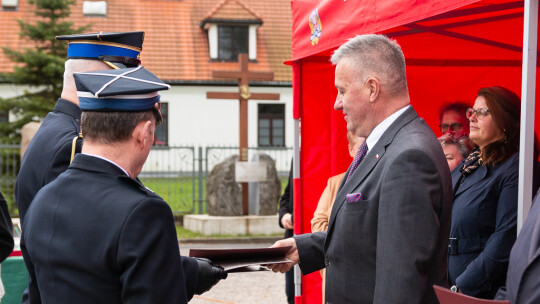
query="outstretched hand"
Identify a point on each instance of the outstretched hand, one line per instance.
(291, 255)
(209, 275)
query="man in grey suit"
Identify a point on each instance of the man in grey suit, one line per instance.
(523, 279)
(388, 232)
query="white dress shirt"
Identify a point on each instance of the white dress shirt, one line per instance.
(379, 130)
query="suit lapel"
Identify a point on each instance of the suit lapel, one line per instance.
(368, 164)
(479, 174)
(363, 170)
(456, 178)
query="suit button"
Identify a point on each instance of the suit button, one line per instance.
(326, 262)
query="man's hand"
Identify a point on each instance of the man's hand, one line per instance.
(209, 275)
(286, 221)
(291, 255)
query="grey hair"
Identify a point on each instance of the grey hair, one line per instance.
(462, 141)
(81, 65)
(378, 56)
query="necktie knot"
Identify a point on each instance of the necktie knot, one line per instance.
(362, 151)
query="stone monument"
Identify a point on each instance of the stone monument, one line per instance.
(223, 193)
(224, 199)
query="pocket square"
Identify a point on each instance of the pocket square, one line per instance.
(354, 197)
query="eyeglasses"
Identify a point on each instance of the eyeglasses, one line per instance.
(480, 113)
(451, 127)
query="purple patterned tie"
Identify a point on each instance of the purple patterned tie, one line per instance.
(358, 158)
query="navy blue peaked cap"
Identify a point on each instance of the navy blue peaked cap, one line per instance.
(130, 89)
(119, 50)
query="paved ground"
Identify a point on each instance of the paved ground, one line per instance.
(263, 287)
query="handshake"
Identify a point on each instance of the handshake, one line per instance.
(240, 260)
(209, 275)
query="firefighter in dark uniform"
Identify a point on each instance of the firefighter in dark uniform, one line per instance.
(96, 234)
(53, 146)
(6, 231)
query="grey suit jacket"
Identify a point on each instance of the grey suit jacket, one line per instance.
(523, 280)
(391, 247)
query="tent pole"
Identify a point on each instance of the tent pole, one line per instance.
(296, 149)
(297, 205)
(296, 175)
(528, 87)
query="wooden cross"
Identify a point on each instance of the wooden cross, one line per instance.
(243, 95)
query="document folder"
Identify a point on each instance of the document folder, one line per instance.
(243, 260)
(446, 296)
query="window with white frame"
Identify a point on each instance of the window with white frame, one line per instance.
(232, 40)
(271, 125)
(10, 5)
(161, 136)
(227, 40)
(4, 116)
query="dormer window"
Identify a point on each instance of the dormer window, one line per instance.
(232, 29)
(232, 40)
(10, 5)
(226, 41)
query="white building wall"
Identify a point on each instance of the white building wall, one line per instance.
(198, 121)
(10, 90)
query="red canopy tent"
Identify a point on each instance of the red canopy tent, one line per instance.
(452, 48)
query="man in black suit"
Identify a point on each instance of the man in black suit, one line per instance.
(388, 230)
(52, 147)
(96, 234)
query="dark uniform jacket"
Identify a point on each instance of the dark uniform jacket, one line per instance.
(6, 230)
(484, 219)
(390, 246)
(523, 281)
(286, 204)
(48, 154)
(95, 235)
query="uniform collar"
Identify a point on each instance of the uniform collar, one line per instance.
(67, 107)
(95, 164)
(106, 159)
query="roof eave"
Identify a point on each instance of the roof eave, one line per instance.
(230, 22)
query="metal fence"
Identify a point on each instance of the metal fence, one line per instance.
(178, 174)
(10, 163)
(171, 173)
